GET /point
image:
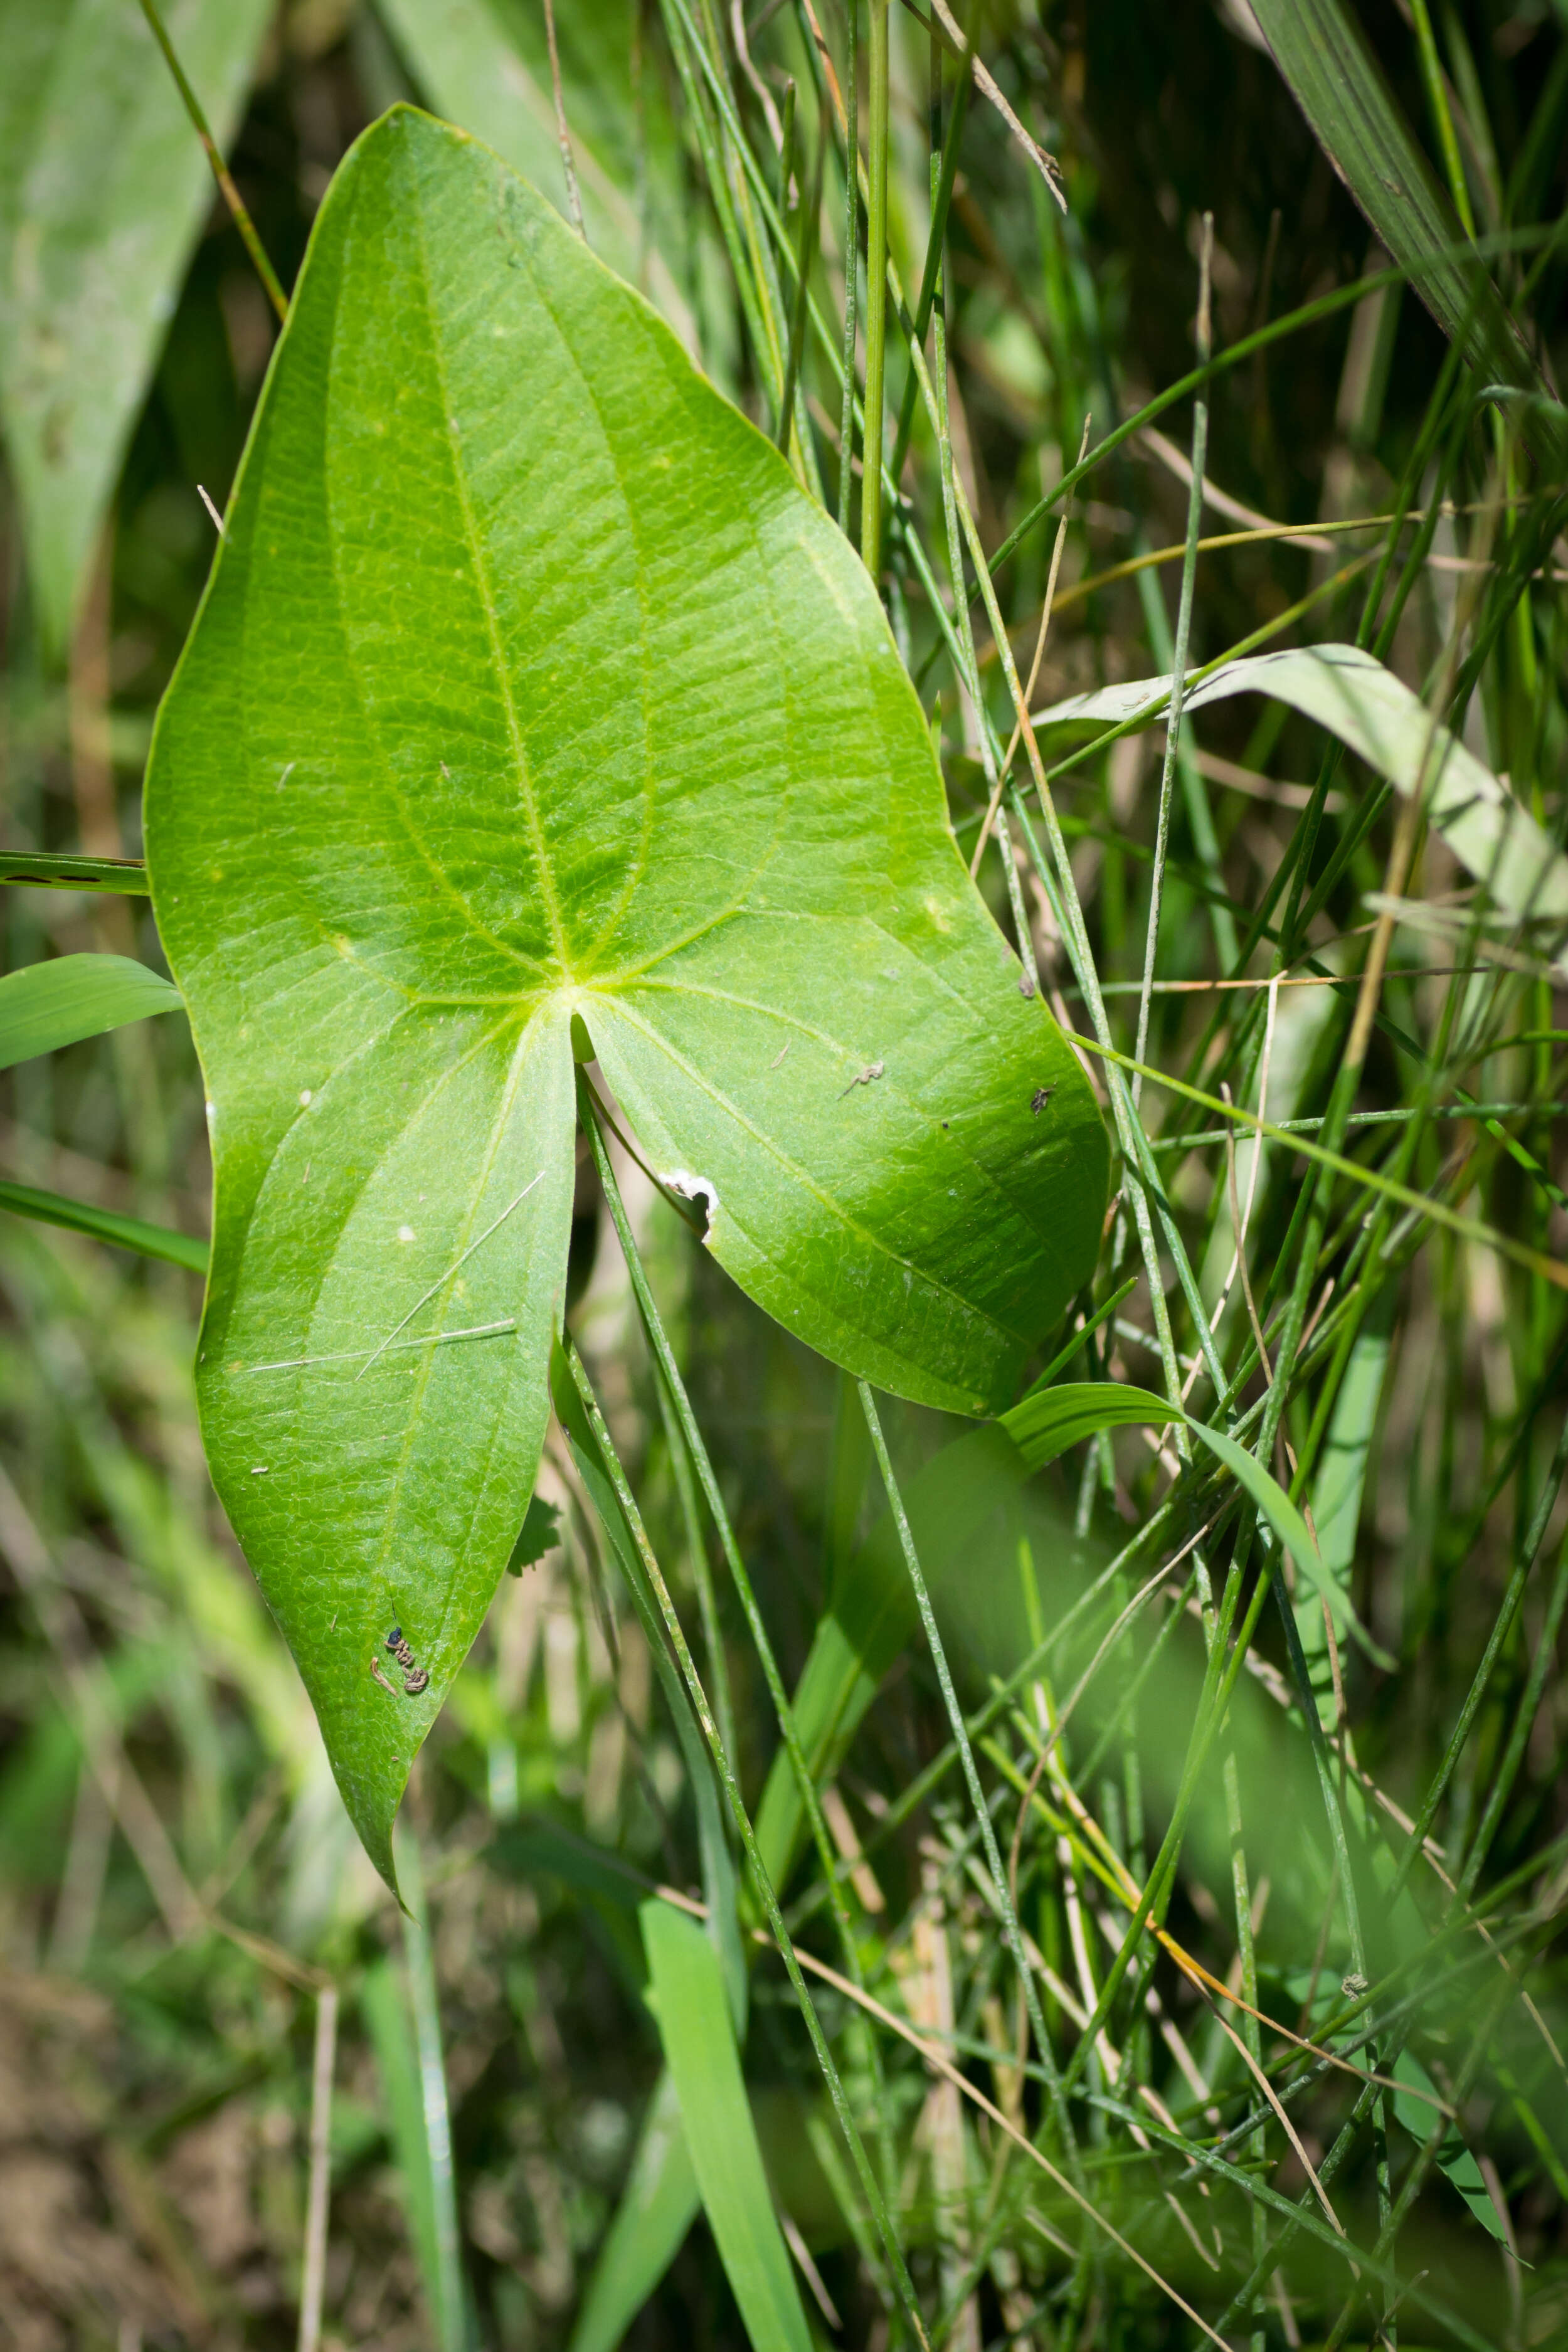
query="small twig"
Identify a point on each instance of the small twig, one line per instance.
(220, 171)
(763, 95)
(1046, 165)
(564, 137)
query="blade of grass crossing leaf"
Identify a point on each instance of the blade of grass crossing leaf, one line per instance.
(47, 1005)
(720, 2137)
(214, 154)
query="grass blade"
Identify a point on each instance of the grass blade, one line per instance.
(1378, 716)
(47, 1005)
(1324, 56)
(689, 1996)
(105, 1225)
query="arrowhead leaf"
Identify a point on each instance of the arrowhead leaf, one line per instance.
(528, 692)
(103, 188)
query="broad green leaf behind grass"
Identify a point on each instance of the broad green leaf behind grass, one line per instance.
(103, 189)
(485, 65)
(533, 709)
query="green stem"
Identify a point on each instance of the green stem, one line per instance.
(451, 2315)
(220, 170)
(876, 298)
(852, 261)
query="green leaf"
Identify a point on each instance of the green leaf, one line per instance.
(1047, 1423)
(1454, 2157)
(687, 1995)
(872, 1614)
(1352, 694)
(484, 65)
(1337, 1487)
(103, 187)
(105, 1225)
(47, 1005)
(1337, 82)
(405, 844)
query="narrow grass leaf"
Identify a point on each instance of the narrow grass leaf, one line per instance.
(1376, 715)
(1045, 1425)
(1455, 2159)
(385, 2007)
(47, 1005)
(1325, 57)
(720, 2137)
(132, 1233)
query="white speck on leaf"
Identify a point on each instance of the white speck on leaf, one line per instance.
(305, 1099)
(405, 1232)
(695, 1188)
(260, 1471)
